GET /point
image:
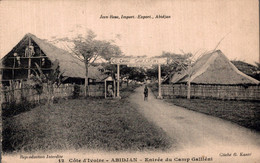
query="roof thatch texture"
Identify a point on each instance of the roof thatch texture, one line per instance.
(71, 66)
(95, 73)
(213, 68)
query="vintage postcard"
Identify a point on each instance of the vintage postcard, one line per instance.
(120, 81)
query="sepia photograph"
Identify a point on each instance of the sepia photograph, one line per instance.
(119, 81)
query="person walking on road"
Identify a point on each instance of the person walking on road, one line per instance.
(145, 93)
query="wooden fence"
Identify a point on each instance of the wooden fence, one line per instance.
(1, 121)
(225, 92)
(19, 93)
(97, 90)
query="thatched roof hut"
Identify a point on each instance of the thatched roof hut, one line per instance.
(44, 55)
(213, 68)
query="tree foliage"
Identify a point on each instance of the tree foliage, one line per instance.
(88, 49)
(176, 63)
(133, 73)
(128, 73)
(54, 77)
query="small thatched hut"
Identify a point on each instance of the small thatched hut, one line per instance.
(213, 76)
(19, 63)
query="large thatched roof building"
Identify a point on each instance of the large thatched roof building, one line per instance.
(19, 63)
(214, 68)
(213, 75)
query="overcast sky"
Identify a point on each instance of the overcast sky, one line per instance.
(194, 25)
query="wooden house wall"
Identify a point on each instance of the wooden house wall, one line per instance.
(13, 71)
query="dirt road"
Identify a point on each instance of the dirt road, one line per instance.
(196, 131)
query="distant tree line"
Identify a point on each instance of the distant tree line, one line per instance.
(248, 69)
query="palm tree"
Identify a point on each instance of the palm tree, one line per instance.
(54, 77)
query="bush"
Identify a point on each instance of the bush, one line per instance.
(76, 91)
(13, 108)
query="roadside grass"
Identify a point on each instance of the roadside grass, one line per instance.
(244, 113)
(83, 124)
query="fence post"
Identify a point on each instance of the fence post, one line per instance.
(188, 90)
(1, 125)
(159, 83)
